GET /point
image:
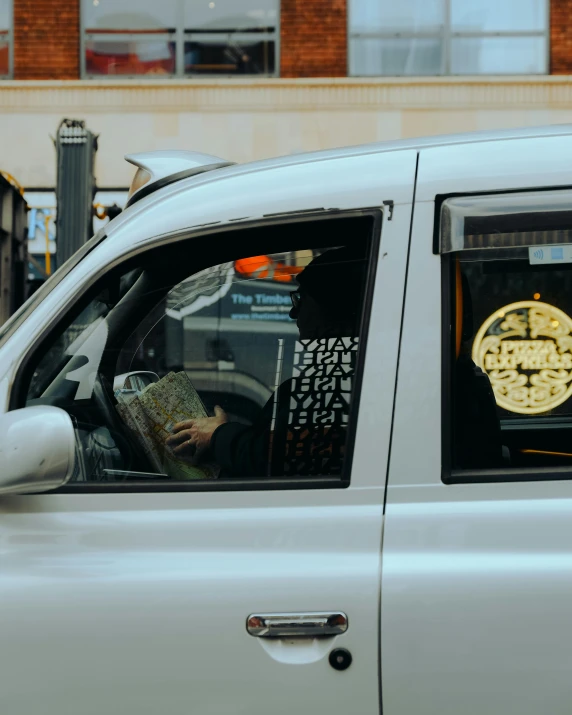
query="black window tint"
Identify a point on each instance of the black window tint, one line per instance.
(508, 303)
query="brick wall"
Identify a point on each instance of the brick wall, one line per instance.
(561, 36)
(46, 39)
(313, 38)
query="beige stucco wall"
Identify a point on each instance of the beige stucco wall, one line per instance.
(243, 120)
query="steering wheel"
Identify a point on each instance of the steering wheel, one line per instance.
(102, 397)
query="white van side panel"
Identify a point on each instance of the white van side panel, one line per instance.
(477, 587)
(494, 166)
(476, 578)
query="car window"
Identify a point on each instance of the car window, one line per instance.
(8, 328)
(508, 259)
(242, 369)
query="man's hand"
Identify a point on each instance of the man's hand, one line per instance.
(192, 437)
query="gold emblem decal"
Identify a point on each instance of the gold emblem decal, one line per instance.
(526, 350)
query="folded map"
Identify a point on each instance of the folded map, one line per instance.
(151, 415)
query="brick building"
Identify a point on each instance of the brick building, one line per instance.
(73, 39)
(247, 79)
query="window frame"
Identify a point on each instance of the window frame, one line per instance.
(8, 37)
(447, 35)
(92, 287)
(179, 37)
(449, 475)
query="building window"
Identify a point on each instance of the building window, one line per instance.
(5, 39)
(178, 38)
(448, 37)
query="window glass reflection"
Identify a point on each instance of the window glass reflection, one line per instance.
(498, 55)
(414, 56)
(133, 57)
(495, 16)
(4, 57)
(232, 56)
(434, 37)
(406, 16)
(230, 15)
(5, 14)
(126, 15)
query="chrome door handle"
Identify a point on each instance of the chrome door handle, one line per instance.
(296, 625)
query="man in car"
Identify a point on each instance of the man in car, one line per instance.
(327, 304)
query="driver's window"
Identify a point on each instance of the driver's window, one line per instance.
(244, 369)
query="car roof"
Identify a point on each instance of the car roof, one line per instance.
(428, 142)
(236, 171)
(415, 144)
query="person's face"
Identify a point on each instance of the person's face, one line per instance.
(308, 316)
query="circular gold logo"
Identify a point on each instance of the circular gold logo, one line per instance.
(526, 350)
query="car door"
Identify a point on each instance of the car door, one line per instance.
(144, 597)
(477, 542)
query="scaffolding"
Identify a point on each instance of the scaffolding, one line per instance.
(75, 147)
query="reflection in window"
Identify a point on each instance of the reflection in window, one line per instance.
(5, 37)
(497, 55)
(229, 55)
(436, 37)
(413, 56)
(130, 57)
(266, 344)
(179, 37)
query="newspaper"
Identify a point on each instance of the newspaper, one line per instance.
(151, 415)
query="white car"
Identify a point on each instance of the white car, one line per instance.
(381, 514)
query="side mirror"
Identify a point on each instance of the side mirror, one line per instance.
(134, 381)
(37, 450)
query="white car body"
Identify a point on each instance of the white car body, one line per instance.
(457, 596)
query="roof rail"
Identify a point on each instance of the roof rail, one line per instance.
(156, 169)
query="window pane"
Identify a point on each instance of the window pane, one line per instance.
(137, 57)
(5, 6)
(143, 356)
(124, 15)
(512, 396)
(388, 16)
(231, 15)
(370, 57)
(228, 330)
(498, 15)
(4, 57)
(498, 55)
(512, 297)
(213, 56)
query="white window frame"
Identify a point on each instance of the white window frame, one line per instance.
(179, 37)
(446, 35)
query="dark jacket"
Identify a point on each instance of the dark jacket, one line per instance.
(297, 448)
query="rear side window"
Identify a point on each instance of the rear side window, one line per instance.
(507, 290)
